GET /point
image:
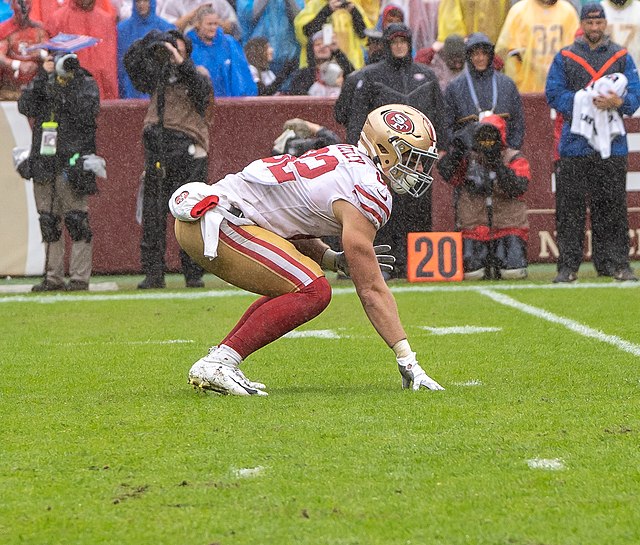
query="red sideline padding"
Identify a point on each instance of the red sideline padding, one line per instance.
(244, 129)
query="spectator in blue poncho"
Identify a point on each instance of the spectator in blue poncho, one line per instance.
(221, 55)
(5, 10)
(143, 19)
(273, 20)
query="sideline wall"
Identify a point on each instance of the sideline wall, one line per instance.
(244, 129)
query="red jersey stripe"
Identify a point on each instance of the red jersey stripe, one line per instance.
(373, 198)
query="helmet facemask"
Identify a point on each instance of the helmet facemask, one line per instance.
(411, 174)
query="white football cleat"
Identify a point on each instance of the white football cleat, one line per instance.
(221, 375)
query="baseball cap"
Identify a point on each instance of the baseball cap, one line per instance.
(592, 11)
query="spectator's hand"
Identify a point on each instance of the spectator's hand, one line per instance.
(191, 16)
(28, 67)
(176, 57)
(516, 53)
(203, 70)
(48, 65)
(608, 102)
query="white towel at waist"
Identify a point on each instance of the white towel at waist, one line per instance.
(199, 201)
(599, 127)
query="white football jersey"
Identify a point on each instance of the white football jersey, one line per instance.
(293, 196)
(623, 26)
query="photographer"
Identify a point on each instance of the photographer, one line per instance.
(175, 137)
(63, 101)
(489, 178)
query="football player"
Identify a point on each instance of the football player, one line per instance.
(258, 230)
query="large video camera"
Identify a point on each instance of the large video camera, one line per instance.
(156, 48)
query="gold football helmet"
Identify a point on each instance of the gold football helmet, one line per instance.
(401, 141)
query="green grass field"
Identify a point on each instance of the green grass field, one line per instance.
(536, 440)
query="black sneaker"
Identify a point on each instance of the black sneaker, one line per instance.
(77, 285)
(625, 275)
(565, 276)
(151, 283)
(46, 285)
(194, 283)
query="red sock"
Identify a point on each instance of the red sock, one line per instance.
(269, 318)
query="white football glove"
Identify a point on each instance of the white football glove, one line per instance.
(336, 261)
(413, 376)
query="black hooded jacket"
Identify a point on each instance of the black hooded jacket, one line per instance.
(74, 106)
(394, 80)
(460, 108)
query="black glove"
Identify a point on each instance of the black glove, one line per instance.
(493, 155)
(463, 138)
(509, 182)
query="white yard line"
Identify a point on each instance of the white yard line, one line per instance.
(459, 330)
(91, 343)
(182, 294)
(548, 464)
(312, 334)
(572, 325)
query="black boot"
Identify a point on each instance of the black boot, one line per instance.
(152, 283)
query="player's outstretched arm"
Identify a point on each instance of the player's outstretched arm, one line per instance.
(376, 298)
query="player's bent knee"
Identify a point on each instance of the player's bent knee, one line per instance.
(319, 296)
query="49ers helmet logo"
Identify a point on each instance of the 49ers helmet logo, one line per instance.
(398, 122)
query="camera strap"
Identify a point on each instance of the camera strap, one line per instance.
(474, 96)
(159, 165)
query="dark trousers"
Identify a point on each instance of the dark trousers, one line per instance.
(408, 215)
(159, 185)
(600, 185)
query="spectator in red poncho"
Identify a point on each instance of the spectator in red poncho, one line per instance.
(83, 17)
(42, 9)
(17, 67)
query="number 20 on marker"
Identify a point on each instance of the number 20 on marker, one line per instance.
(434, 257)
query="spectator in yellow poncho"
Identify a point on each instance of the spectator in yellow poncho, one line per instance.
(348, 22)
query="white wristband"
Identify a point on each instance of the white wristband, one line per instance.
(328, 261)
(15, 65)
(402, 348)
